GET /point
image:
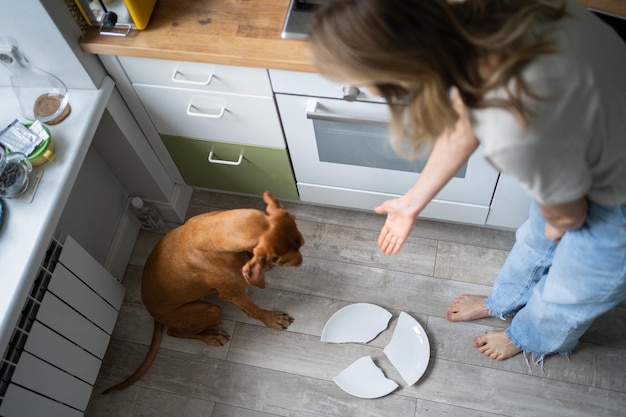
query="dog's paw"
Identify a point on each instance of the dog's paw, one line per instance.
(215, 337)
(278, 320)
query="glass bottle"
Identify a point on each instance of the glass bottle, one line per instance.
(148, 216)
(39, 94)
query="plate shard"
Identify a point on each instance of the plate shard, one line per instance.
(356, 323)
(364, 379)
(409, 349)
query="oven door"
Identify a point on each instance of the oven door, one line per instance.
(341, 156)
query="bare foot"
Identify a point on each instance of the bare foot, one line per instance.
(496, 345)
(467, 307)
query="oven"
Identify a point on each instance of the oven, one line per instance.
(338, 141)
(298, 18)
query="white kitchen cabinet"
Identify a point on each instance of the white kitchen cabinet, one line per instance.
(185, 102)
(510, 204)
(204, 101)
(197, 76)
(249, 120)
(180, 105)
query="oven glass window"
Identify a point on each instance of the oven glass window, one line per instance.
(362, 145)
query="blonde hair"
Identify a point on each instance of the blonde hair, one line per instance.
(414, 51)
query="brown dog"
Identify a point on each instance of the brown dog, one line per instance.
(217, 252)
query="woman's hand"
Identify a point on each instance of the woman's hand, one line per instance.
(553, 233)
(564, 217)
(400, 219)
(448, 155)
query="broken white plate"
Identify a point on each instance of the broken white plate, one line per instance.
(409, 349)
(364, 379)
(357, 323)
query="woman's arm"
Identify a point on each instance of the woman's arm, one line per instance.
(449, 153)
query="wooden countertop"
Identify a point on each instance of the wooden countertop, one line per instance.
(617, 7)
(229, 32)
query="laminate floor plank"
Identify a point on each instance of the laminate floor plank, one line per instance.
(396, 290)
(428, 229)
(137, 401)
(249, 387)
(513, 394)
(300, 354)
(468, 263)
(358, 246)
(590, 365)
(426, 408)
(609, 329)
(222, 410)
(262, 372)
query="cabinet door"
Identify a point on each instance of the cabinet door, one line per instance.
(212, 116)
(233, 167)
(198, 76)
(510, 204)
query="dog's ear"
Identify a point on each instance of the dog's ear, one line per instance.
(254, 270)
(271, 201)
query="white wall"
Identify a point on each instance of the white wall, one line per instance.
(94, 207)
(48, 37)
(121, 160)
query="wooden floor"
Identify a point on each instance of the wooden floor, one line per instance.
(262, 372)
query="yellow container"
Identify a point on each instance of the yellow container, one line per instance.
(140, 11)
(136, 12)
(43, 153)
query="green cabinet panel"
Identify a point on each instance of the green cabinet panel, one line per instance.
(233, 167)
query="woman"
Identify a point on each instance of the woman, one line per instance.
(541, 86)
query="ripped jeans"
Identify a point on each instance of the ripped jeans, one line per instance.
(556, 290)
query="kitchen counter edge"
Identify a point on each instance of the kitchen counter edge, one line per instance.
(28, 228)
(262, 48)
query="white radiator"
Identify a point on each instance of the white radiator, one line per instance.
(55, 353)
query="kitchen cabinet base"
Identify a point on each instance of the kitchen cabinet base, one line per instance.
(367, 200)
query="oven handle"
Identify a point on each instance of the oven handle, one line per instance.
(313, 113)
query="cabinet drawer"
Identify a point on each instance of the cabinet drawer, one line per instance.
(233, 167)
(206, 77)
(203, 115)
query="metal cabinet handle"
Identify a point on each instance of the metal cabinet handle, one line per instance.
(196, 113)
(313, 113)
(176, 79)
(120, 30)
(223, 162)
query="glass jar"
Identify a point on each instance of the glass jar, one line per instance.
(39, 94)
(14, 174)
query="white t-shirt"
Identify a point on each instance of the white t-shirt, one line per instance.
(575, 144)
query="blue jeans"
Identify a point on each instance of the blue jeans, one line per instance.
(556, 290)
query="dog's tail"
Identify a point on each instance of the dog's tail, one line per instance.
(157, 333)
